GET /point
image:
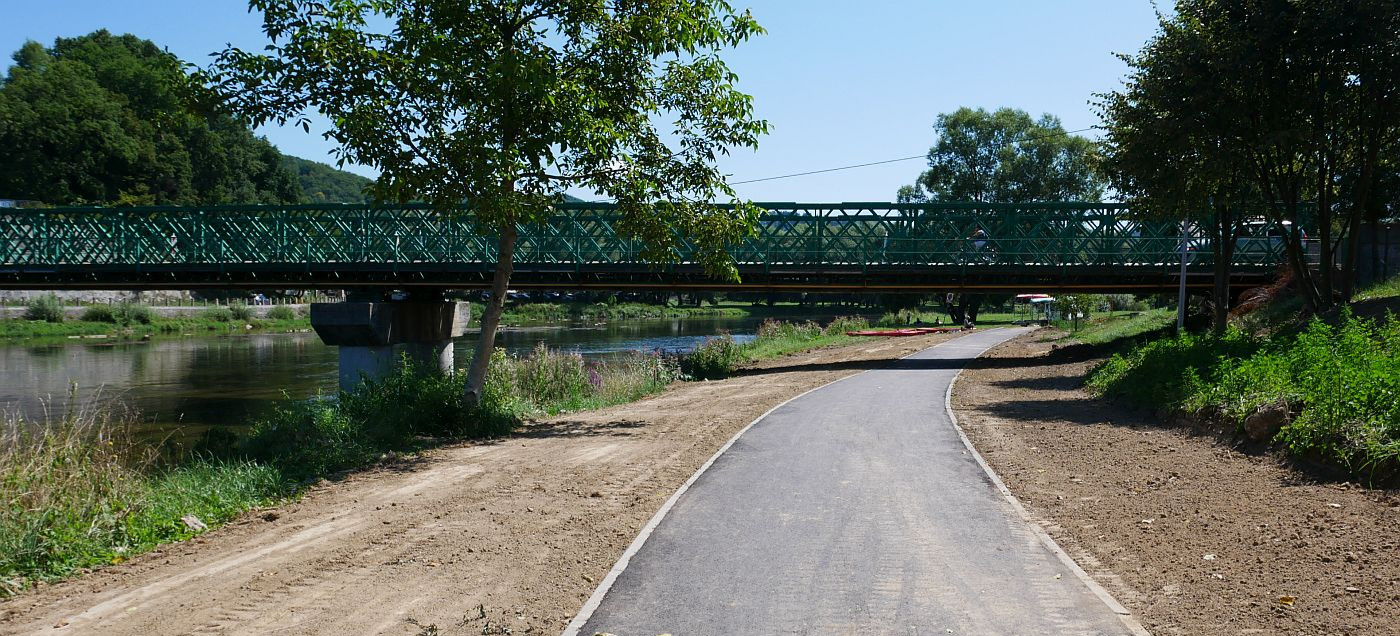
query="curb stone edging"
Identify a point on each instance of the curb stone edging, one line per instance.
(1129, 621)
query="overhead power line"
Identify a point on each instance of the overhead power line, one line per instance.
(877, 163)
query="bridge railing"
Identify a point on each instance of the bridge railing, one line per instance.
(831, 236)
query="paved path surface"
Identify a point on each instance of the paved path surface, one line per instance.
(854, 509)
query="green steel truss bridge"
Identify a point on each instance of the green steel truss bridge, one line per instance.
(844, 247)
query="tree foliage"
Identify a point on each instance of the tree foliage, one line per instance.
(107, 119)
(507, 103)
(1300, 94)
(1005, 156)
(1168, 148)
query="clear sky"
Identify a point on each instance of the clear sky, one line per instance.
(842, 81)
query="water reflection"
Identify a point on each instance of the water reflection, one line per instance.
(190, 384)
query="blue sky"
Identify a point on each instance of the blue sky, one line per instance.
(842, 82)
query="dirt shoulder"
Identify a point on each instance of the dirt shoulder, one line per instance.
(1191, 535)
(508, 537)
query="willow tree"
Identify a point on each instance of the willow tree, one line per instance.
(505, 104)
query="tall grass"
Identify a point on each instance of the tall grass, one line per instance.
(76, 491)
(281, 312)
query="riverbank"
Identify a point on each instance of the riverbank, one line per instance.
(223, 320)
(300, 440)
(509, 534)
(1193, 535)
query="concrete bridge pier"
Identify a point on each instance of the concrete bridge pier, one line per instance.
(374, 333)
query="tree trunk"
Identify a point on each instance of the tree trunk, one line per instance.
(1359, 205)
(1226, 233)
(491, 316)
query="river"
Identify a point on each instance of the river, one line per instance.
(183, 386)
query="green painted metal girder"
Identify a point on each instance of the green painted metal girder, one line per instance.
(824, 236)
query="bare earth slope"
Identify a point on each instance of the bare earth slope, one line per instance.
(493, 538)
(1203, 539)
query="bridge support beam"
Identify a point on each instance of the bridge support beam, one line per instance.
(373, 335)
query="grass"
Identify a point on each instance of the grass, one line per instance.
(1112, 328)
(1388, 288)
(99, 322)
(1339, 381)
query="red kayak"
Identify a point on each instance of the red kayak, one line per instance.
(900, 333)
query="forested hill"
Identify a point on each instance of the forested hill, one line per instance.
(116, 120)
(105, 119)
(321, 183)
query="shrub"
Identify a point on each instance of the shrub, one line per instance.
(123, 313)
(240, 312)
(1124, 302)
(129, 313)
(99, 313)
(903, 317)
(46, 307)
(217, 313)
(308, 438)
(713, 359)
(418, 401)
(281, 312)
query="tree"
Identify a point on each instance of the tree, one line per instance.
(503, 104)
(1005, 157)
(1306, 94)
(1169, 149)
(104, 119)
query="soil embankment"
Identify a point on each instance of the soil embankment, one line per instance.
(1190, 534)
(507, 537)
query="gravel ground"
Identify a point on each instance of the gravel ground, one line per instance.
(1190, 534)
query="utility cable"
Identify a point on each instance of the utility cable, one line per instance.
(877, 163)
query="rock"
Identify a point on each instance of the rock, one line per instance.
(1266, 421)
(193, 523)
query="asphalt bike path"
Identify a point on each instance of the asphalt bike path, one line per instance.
(853, 509)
